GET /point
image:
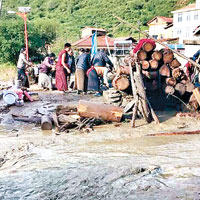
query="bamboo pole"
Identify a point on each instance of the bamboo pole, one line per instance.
(148, 36)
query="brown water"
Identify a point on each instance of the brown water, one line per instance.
(108, 163)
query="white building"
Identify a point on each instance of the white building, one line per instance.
(185, 21)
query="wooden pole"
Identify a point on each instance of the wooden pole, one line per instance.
(148, 36)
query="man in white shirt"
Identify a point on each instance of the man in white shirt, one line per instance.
(21, 66)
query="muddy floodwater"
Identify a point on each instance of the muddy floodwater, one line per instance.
(112, 162)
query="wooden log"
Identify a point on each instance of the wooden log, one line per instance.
(164, 71)
(141, 55)
(196, 93)
(46, 123)
(171, 81)
(176, 133)
(120, 83)
(153, 64)
(176, 73)
(157, 55)
(66, 118)
(123, 70)
(168, 56)
(98, 110)
(193, 102)
(195, 115)
(155, 117)
(189, 87)
(184, 79)
(169, 90)
(55, 119)
(145, 64)
(60, 109)
(147, 46)
(140, 90)
(32, 119)
(180, 88)
(175, 63)
(131, 59)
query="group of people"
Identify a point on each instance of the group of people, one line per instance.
(88, 70)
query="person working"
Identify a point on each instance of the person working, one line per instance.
(82, 65)
(46, 66)
(21, 67)
(100, 61)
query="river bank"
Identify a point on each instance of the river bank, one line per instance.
(111, 162)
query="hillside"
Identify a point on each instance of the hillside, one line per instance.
(72, 15)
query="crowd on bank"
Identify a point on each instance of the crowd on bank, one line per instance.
(89, 70)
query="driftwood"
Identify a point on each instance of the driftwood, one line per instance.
(147, 46)
(142, 55)
(169, 90)
(175, 63)
(145, 64)
(123, 70)
(22, 118)
(176, 133)
(197, 95)
(120, 82)
(180, 88)
(171, 81)
(66, 110)
(154, 64)
(55, 119)
(46, 123)
(164, 71)
(157, 55)
(98, 110)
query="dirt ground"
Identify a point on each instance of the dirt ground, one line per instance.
(114, 161)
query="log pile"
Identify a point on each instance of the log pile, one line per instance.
(160, 70)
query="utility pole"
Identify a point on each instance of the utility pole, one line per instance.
(1, 6)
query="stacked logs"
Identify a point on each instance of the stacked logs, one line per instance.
(160, 69)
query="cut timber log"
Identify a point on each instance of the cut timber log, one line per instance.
(157, 55)
(180, 88)
(142, 55)
(171, 81)
(154, 64)
(193, 102)
(22, 118)
(46, 123)
(66, 118)
(128, 59)
(98, 110)
(176, 133)
(189, 87)
(169, 90)
(147, 46)
(164, 71)
(175, 63)
(176, 73)
(168, 56)
(55, 119)
(197, 95)
(120, 83)
(145, 64)
(123, 70)
(66, 110)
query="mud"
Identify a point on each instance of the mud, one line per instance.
(112, 162)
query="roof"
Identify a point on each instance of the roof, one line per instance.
(186, 8)
(86, 42)
(168, 26)
(165, 19)
(168, 39)
(94, 28)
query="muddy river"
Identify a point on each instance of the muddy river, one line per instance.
(112, 162)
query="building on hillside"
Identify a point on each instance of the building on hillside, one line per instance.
(185, 22)
(161, 27)
(90, 30)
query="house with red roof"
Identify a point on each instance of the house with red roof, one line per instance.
(103, 41)
(161, 27)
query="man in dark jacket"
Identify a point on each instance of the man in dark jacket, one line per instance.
(102, 65)
(82, 65)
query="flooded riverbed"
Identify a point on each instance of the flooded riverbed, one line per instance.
(111, 162)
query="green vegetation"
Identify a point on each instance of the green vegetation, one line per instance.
(60, 21)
